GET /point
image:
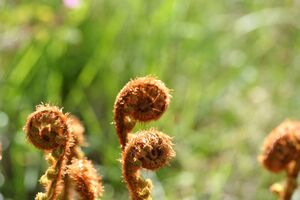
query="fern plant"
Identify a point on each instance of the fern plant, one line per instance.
(142, 100)
(69, 175)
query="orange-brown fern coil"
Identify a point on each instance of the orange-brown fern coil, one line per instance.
(46, 128)
(77, 129)
(85, 179)
(142, 99)
(281, 146)
(150, 150)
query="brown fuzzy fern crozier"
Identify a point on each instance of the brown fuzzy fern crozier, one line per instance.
(77, 130)
(150, 150)
(85, 179)
(49, 129)
(281, 152)
(142, 99)
(76, 152)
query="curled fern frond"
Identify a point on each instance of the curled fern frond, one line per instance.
(85, 179)
(142, 99)
(281, 152)
(60, 136)
(150, 150)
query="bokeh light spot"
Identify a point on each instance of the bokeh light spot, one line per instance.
(3, 119)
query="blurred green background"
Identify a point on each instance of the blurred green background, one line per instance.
(234, 66)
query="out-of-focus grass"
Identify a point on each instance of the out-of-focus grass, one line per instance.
(234, 67)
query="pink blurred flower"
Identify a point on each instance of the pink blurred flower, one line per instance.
(72, 3)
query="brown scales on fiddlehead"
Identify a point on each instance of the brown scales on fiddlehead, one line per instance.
(49, 129)
(77, 130)
(281, 152)
(85, 179)
(142, 99)
(76, 152)
(150, 150)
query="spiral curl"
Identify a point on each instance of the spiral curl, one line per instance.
(142, 99)
(46, 128)
(281, 151)
(61, 136)
(281, 146)
(150, 150)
